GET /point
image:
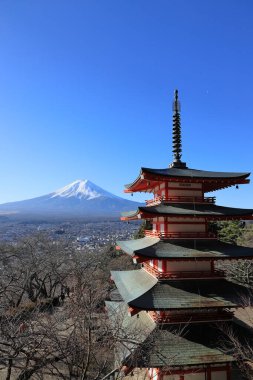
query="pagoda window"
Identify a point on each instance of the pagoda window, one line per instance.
(162, 227)
(151, 263)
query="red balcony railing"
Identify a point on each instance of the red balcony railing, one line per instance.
(183, 274)
(178, 199)
(185, 318)
(180, 235)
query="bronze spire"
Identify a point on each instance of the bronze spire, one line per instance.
(176, 134)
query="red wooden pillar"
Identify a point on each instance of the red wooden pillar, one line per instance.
(181, 377)
(159, 374)
(166, 190)
(208, 373)
(228, 370)
(164, 265)
(165, 226)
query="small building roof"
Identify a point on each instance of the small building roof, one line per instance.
(211, 180)
(144, 344)
(188, 210)
(154, 248)
(143, 291)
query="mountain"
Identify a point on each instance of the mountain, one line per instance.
(81, 198)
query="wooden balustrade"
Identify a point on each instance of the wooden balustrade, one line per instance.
(183, 274)
(223, 315)
(179, 199)
(180, 235)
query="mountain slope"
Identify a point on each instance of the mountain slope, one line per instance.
(80, 198)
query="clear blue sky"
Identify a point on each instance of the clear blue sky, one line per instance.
(86, 89)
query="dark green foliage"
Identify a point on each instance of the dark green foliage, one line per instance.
(146, 225)
(228, 231)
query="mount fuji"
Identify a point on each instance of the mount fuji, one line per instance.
(81, 198)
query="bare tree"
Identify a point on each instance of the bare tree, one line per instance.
(52, 316)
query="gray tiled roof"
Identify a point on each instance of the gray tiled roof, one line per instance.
(143, 291)
(190, 209)
(193, 345)
(190, 173)
(194, 173)
(143, 344)
(182, 249)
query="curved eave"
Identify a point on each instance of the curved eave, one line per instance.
(141, 290)
(196, 210)
(132, 284)
(134, 246)
(212, 181)
(154, 248)
(186, 210)
(131, 215)
(194, 173)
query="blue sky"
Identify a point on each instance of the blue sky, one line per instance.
(86, 89)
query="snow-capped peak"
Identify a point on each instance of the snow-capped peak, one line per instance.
(82, 189)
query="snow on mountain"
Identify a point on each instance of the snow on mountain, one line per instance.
(81, 198)
(82, 189)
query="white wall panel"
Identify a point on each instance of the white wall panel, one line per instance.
(195, 376)
(186, 227)
(196, 266)
(219, 375)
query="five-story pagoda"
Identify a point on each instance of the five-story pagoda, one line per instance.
(173, 303)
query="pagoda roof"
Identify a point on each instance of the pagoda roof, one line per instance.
(144, 344)
(154, 248)
(188, 210)
(211, 180)
(195, 173)
(142, 291)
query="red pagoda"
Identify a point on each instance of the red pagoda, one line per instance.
(173, 303)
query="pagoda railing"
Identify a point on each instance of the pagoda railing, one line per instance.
(183, 274)
(178, 199)
(180, 235)
(176, 318)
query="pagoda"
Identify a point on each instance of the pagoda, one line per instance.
(172, 304)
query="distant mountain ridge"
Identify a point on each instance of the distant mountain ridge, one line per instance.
(80, 198)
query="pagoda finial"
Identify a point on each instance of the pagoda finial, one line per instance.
(176, 134)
